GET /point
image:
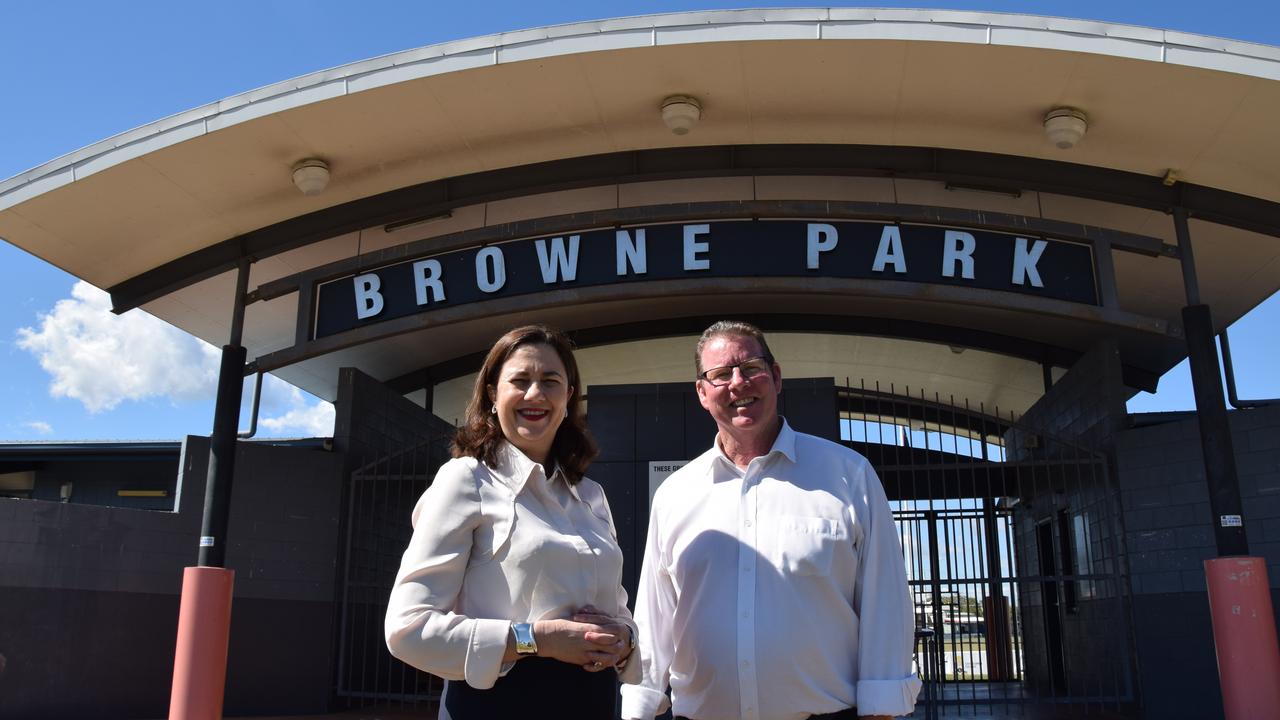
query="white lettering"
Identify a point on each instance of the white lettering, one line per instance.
(889, 252)
(426, 276)
(822, 238)
(692, 247)
(1024, 262)
(958, 248)
(629, 253)
(368, 299)
(491, 269)
(565, 265)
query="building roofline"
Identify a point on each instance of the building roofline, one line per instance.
(1006, 29)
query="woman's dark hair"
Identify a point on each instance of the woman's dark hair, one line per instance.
(480, 435)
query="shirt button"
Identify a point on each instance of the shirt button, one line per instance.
(746, 663)
(748, 523)
(746, 614)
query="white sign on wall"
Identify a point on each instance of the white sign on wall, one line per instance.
(659, 470)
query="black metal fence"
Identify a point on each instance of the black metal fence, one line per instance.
(380, 503)
(1011, 540)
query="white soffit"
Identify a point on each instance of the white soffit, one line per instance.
(963, 80)
(995, 384)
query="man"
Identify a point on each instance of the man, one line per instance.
(773, 585)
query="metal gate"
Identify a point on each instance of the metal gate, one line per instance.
(1012, 544)
(381, 498)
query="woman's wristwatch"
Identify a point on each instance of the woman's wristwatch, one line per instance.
(525, 644)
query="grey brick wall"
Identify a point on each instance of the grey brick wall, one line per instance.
(1166, 501)
(1169, 534)
(1086, 406)
(91, 592)
(373, 420)
(284, 512)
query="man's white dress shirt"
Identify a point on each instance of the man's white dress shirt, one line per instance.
(492, 546)
(775, 592)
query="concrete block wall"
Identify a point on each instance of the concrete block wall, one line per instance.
(372, 420)
(1166, 500)
(1170, 535)
(1086, 406)
(90, 593)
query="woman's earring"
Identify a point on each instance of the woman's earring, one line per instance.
(493, 409)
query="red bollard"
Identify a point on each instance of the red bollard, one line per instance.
(1244, 633)
(200, 659)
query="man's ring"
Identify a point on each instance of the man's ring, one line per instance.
(597, 664)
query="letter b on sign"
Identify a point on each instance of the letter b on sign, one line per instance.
(368, 297)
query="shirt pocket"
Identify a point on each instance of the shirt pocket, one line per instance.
(805, 545)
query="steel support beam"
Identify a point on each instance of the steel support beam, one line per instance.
(1211, 406)
(222, 444)
(204, 613)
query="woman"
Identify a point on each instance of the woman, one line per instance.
(510, 588)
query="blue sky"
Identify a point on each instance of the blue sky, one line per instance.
(78, 72)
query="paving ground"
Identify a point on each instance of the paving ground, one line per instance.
(1000, 713)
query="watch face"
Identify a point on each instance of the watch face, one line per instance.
(525, 644)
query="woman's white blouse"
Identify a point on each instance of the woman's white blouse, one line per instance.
(493, 546)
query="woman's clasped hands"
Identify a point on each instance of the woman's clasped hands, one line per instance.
(590, 639)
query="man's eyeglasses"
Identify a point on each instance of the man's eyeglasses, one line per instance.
(752, 369)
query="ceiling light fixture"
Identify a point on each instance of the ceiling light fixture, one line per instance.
(1065, 126)
(311, 176)
(680, 113)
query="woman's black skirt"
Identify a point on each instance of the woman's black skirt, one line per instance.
(538, 687)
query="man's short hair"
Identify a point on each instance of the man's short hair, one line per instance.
(730, 328)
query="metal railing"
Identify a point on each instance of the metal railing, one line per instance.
(380, 501)
(1012, 544)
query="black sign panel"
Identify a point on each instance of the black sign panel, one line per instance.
(750, 248)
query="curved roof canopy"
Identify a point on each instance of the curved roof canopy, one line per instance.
(166, 208)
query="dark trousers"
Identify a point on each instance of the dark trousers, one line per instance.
(536, 688)
(846, 714)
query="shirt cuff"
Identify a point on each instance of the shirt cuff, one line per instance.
(888, 697)
(485, 649)
(641, 703)
(631, 672)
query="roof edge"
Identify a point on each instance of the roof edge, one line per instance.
(1007, 29)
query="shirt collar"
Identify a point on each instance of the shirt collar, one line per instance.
(515, 468)
(785, 444)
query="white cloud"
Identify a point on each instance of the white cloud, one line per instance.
(41, 427)
(295, 413)
(103, 359)
(312, 420)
